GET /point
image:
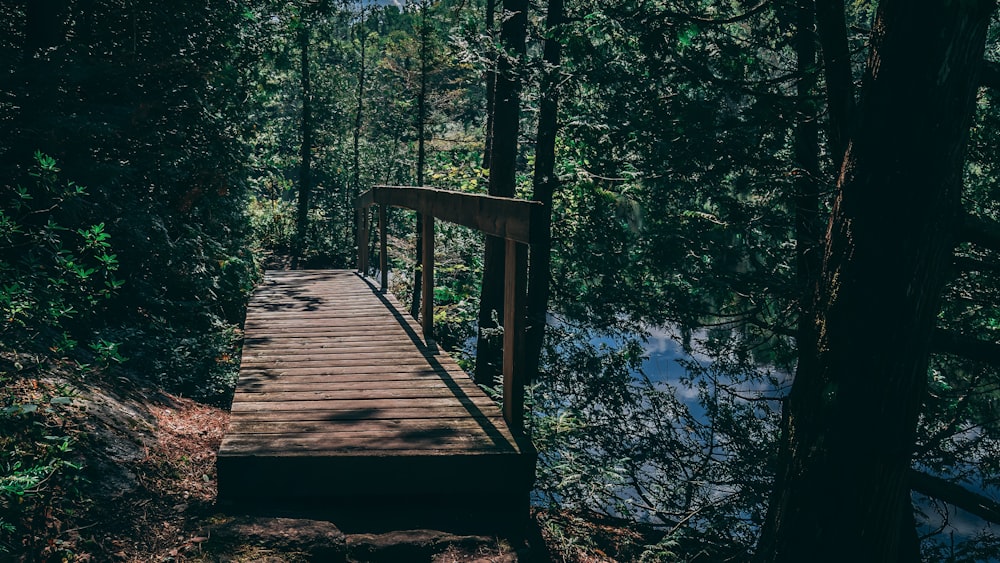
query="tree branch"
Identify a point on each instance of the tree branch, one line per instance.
(978, 230)
(989, 76)
(966, 347)
(966, 264)
(955, 495)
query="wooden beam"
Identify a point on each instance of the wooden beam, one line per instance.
(427, 281)
(515, 285)
(502, 217)
(365, 200)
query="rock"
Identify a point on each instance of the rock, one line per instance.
(319, 539)
(424, 545)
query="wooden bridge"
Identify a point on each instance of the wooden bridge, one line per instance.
(345, 402)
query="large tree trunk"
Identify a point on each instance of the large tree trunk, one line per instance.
(844, 489)
(305, 152)
(503, 160)
(545, 184)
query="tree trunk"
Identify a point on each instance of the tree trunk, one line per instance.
(545, 183)
(305, 152)
(491, 85)
(844, 488)
(421, 157)
(808, 228)
(43, 26)
(506, 117)
(832, 30)
(359, 111)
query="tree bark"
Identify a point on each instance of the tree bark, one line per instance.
(808, 228)
(421, 157)
(845, 487)
(545, 183)
(359, 111)
(491, 85)
(503, 165)
(832, 29)
(305, 151)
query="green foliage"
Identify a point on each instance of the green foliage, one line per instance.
(141, 103)
(272, 221)
(55, 272)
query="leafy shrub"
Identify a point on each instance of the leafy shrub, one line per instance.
(55, 272)
(273, 224)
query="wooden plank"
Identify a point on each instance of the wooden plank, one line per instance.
(418, 370)
(329, 443)
(385, 363)
(345, 320)
(382, 349)
(254, 404)
(321, 331)
(403, 425)
(297, 412)
(371, 394)
(329, 384)
(376, 309)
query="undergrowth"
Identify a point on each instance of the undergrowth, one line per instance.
(40, 470)
(55, 274)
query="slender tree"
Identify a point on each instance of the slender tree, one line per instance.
(545, 183)
(491, 85)
(424, 35)
(359, 109)
(832, 31)
(305, 150)
(503, 164)
(844, 487)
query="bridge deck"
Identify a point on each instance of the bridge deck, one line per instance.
(339, 399)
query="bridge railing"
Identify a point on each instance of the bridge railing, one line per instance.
(514, 220)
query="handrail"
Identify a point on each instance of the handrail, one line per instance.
(512, 219)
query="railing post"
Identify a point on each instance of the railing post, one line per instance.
(515, 285)
(427, 279)
(383, 254)
(362, 240)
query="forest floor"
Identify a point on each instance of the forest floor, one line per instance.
(148, 493)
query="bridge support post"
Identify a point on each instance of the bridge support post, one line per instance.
(427, 280)
(515, 299)
(362, 240)
(383, 248)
